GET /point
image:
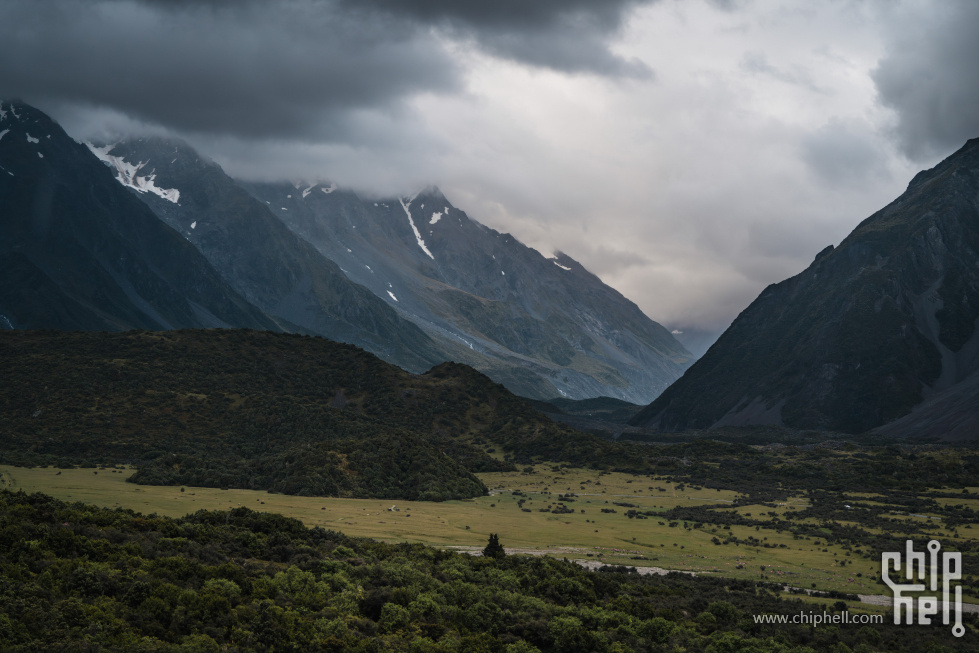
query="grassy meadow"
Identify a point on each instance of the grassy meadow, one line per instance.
(513, 511)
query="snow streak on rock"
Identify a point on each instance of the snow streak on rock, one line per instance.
(418, 236)
(126, 174)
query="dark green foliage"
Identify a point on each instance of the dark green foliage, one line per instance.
(494, 549)
(281, 412)
(78, 578)
(232, 408)
(301, 415)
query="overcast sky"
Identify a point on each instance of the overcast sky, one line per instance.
(689, 152)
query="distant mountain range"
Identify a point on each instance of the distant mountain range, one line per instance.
(147, 233)
(878, 333)
(544, 327)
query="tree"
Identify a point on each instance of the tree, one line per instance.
(494, 549)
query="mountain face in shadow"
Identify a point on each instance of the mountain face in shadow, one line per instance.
(879, 332)
(79, 252)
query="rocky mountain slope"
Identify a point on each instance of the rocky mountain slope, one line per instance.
(414, 285)
(258, 255)
(879, 332)
(78, 251)
(544, 327)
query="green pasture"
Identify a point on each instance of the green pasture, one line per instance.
(585, 533)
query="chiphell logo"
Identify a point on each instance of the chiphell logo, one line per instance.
(925, 568)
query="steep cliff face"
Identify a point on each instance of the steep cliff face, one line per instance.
(79, 252)
(544, 327)
(872, 329)
(260, 256)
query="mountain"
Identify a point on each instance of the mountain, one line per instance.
(415, 287)
(544, 327)
(77, 251)
(878, 333)
(258, 255)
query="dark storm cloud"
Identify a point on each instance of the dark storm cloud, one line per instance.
(564, 35)
(255, 69)
(299, 68)
(507, 14)
(930, 77)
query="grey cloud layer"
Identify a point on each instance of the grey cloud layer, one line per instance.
(301, 68)
(252, 70)
(759, 143)
(565, 35)
(930, 77)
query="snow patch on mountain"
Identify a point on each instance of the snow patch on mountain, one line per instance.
(193, 225)
(31, 139)
(563, 267)
(2, 133)
(418, 236)
(332, 188)
(435, 218)
(307, 191)
(126, 174)
(392, 296)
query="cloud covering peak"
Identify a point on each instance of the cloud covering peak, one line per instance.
(688, 152)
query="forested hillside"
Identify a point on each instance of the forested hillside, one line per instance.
(259, 410)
